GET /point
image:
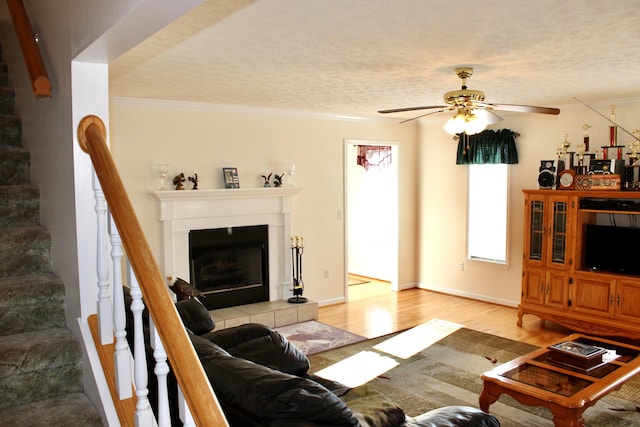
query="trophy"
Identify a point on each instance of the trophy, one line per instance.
(586, 127)
(635, 148)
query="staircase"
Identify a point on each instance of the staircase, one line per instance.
(40, 359)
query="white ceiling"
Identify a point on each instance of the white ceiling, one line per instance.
(354, 57)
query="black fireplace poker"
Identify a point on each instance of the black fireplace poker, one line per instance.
(297, 248)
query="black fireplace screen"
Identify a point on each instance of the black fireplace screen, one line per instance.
(230, 265)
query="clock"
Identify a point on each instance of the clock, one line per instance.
(566, 179)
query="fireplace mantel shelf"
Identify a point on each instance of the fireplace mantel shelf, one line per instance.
(226, 193)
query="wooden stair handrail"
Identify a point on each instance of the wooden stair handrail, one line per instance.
(30, 51)
(197, 390)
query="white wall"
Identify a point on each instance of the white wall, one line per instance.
(443, 195)
(199, 138)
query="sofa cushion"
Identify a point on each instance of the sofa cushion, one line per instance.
(262, 345)
(267, 394)
(195, 316)
(454, 416)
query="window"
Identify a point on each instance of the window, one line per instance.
(487, 213)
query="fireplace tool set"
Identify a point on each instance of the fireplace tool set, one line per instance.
(297, 248)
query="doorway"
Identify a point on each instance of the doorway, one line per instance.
(371, 216)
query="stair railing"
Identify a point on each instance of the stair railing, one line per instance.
(30, 51)
(169, 338)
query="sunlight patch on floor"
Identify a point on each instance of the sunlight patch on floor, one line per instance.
(358, 369)
(411, 341)
(367, 365)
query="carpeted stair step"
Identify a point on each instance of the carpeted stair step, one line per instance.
(4, 71)
(10, 131)
(39, 365)
(15, 166)
(7, 100)
(40, 359)
(19, 205)
(71, 410)
(4, 74)
(24, 250)
(31, 302)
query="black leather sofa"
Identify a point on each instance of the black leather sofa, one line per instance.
(262, 380)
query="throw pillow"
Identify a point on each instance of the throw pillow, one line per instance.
(372, 408)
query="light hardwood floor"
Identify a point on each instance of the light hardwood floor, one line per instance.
(374, 310)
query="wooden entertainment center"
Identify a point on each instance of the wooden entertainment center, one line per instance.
(557, 282)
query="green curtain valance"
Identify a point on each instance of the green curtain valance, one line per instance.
(488, 146)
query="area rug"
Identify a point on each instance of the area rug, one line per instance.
(312, 337)
(448, 373)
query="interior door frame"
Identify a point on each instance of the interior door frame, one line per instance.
(394, 258)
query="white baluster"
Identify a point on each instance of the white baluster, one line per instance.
(183, 408)
(105, 319)
(121, 356)
(144, 414)
(161, 370)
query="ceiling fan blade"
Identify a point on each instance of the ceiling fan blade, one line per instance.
(399, 110)
(521, 108)
(489, 116)
(426, 114)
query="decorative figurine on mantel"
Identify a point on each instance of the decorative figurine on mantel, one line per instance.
(297, 248)
(277, 180)
(266, 178)
(194, 180)
(178, 181)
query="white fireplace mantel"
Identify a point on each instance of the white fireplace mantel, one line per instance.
(186, 210)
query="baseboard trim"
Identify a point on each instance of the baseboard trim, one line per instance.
(470, 295)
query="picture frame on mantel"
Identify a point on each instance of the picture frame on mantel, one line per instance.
(231, 179)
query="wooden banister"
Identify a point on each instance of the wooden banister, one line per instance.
(204, 405)
(30, 51)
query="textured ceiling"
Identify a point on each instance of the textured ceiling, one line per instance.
(354, 57)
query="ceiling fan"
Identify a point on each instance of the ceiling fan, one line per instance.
(473, 114)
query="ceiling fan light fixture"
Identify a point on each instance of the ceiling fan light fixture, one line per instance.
(465, 122)
(455, 124)
(474, 124)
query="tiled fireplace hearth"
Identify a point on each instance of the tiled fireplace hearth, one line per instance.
(183, 211)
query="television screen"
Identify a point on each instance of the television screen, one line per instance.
(611, 249)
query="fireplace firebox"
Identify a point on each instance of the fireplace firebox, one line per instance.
(230, 265)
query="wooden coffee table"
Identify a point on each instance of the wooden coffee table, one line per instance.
(535, 380)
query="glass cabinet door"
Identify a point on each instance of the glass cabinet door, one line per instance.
(536, 229)
(559, 232)
(559, 207)
(547, 237)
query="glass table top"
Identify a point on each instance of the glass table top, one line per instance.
(542, 371)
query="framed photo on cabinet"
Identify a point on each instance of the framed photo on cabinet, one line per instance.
(231, 178)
